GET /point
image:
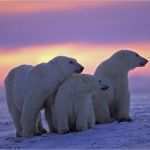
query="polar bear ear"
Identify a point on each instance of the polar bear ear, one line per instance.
(53, 62)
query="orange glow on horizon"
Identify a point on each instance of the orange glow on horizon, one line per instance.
(88, 55)
(17, 6)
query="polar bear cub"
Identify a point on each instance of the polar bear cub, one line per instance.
(115, 71)
(73, 108)
(27, 89)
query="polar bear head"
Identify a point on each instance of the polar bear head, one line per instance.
(85, 83)
(67, 65)
(127, 60)
(99, 86)
(92, 84)
(102, 86)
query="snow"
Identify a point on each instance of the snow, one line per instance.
(133, 135)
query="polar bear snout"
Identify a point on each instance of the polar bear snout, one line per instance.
(143, 62)
(79, 69)
(105, 87)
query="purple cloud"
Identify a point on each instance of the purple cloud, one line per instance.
(105, 24)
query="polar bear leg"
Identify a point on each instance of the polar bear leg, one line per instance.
(102, 112)
(63, 126)
(14, 112)
(48, 112)
(85, 114)
(39, 126)
(60, 121)
(48, 117)
(123, 109)
(103, 115)
(91, 118)
(16, 115)
(29, 115)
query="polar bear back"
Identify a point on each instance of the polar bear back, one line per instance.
(81, 82)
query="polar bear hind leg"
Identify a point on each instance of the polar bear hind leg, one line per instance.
(16, 115)
(29, 116)
(39, 126)
(14, 112)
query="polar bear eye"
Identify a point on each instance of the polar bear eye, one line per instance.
(100, 81)
(71, 62)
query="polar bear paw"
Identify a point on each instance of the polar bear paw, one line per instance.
(125, 120)
(18, 134)
(63, 131)
(39, 133)
(43, 131)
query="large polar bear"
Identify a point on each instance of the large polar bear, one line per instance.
(73, 108)
(27, 89)
(115, 71)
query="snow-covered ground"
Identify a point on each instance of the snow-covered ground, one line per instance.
(134, 135)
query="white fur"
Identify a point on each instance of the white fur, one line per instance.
(73, 107)
(115, 71)
(101, 102)
(28, 87)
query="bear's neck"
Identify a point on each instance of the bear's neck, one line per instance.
(115, 69)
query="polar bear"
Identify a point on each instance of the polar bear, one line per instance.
(27, 89)
(15, 91)
(73, 108)
(115, 71)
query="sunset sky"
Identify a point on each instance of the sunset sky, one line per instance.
(89, 30)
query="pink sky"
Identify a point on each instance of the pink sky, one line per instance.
(23, 6)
